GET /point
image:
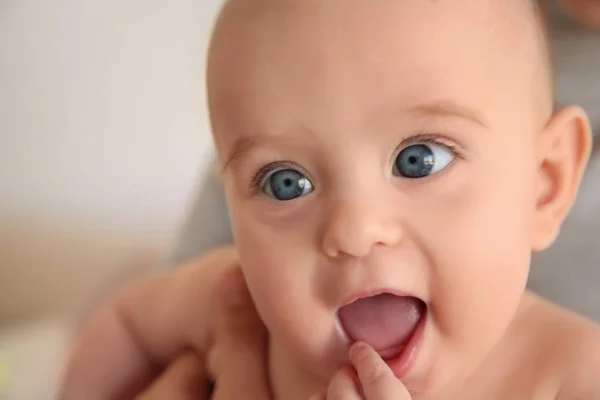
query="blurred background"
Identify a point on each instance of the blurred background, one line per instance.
(103, 139)
(104, 160)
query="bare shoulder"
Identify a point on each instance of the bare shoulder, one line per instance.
(173, 309)
(573, 350)
(581, 361)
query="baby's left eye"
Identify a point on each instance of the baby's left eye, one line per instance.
(421, 160)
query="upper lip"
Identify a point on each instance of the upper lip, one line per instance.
(374, 292)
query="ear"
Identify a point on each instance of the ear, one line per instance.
(563, 152)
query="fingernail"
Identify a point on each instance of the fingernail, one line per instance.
(235, 292)
(359, 346)
(356, 349)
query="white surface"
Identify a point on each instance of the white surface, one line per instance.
(102, 113)
(103, 132)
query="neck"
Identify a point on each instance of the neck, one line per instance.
(289, 379)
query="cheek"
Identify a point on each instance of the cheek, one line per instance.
(479, 241)
(282, 274)
(277, 274)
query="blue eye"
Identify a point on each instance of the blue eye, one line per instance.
(421, 160)
(287, 184)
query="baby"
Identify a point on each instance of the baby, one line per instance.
(390, 166)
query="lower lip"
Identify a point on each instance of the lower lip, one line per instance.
(403, 363)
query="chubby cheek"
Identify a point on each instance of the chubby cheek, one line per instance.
(482, 239)
(283, 278)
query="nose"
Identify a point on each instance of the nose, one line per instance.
(355, 226)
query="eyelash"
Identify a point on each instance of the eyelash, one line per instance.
(424, 137)
(260, 176)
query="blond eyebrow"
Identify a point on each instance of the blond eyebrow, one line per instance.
(445, 109)
(244, 145)
(241, 146)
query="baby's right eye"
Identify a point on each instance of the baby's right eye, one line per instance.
(286, 184)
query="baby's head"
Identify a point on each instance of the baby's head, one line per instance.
(400, 147)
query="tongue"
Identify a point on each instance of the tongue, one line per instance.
(384, 321)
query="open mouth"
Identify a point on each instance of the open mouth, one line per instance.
(386, 322)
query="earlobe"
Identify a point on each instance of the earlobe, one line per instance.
(563, 152)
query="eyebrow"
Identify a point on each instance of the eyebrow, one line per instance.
(449, 109)
(241, 146)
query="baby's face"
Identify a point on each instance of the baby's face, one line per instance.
(381, 147)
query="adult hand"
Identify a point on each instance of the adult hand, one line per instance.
(238, 356)
(183, 380)
(197, 322)
(587, 12)
(237, 359)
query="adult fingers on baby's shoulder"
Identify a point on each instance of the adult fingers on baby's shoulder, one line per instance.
(184, 379)
(376, 379)
(586, 12)
(238, 358)
(236, 312)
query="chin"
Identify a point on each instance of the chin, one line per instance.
(318, 359)
(430, 385)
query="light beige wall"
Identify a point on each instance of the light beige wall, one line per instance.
(103, 133)
(50, 269)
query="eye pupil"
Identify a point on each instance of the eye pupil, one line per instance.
(288, 184)
(416, 161)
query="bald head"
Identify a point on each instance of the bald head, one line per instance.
(324, 53)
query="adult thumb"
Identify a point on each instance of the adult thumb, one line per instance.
(238, 358)
(184, 379)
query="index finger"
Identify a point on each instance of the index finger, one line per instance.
(377, 380)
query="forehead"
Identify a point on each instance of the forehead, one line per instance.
(334, 61)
